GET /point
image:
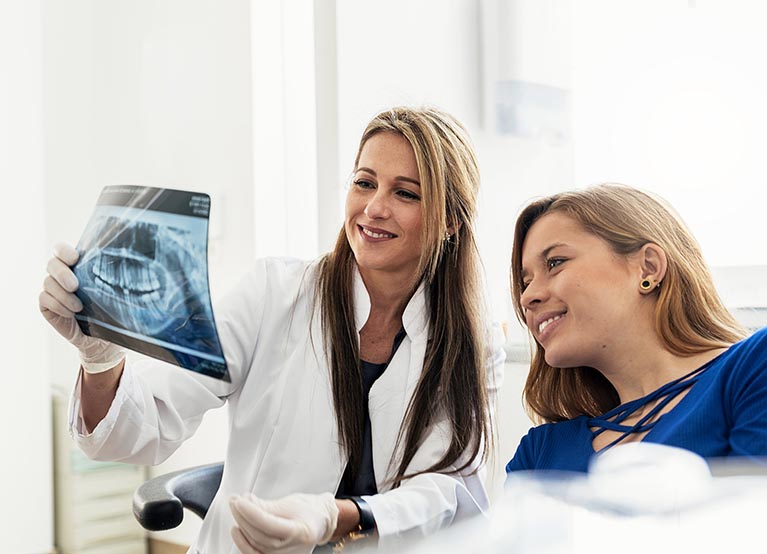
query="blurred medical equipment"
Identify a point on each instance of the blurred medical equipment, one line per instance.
(641, 496)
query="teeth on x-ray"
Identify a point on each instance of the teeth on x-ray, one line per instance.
(138, 281)
(135, 286)
(129, 275)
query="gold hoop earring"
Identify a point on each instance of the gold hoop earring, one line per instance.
(646, 284)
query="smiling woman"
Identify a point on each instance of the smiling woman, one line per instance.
(362, 382)
(631, 339)
(383, 210)
(572, 279)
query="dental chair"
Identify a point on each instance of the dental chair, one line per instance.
(159, 503)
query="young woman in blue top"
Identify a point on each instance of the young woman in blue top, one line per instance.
(632, 342)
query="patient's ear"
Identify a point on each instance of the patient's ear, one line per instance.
(653, 264)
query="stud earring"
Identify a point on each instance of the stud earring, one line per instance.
(646, 284)
(446, 236)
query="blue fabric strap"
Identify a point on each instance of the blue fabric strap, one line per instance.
(613, 420)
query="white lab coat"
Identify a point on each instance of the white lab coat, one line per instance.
(282, 428)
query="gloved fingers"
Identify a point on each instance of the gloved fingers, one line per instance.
(261, 527)
(63, 274)
(263, 542)
(64, 298)
(51, 308)
(66, 253)
(242, 544)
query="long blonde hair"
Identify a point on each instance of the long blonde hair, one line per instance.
(453, 380)
(689, 315)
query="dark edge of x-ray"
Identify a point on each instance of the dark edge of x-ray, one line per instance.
(143, 273)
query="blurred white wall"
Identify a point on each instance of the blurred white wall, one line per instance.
(26, 512)
(669, 97)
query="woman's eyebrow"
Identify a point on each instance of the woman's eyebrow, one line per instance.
(407, 180)
(397, 178)
(546, 251)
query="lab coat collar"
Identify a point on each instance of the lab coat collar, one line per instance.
(415, 318)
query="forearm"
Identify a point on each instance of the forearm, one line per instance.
(97, 393)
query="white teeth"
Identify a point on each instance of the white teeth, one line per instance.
(376, 235)
(543, 324)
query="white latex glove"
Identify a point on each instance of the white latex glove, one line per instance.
(289, 525)
(58, 304)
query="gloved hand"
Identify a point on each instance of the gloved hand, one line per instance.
(58, 304)
(292, 524)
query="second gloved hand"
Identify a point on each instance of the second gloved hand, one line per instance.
(292, 524)
(58, 304)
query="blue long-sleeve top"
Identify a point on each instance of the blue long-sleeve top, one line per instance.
(724, 413)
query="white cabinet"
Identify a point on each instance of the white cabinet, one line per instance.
(93, 500)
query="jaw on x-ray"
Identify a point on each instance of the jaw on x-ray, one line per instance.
(143, 276)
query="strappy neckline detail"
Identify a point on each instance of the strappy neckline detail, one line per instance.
(613, 420)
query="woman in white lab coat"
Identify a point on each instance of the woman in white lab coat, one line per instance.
(362, 383)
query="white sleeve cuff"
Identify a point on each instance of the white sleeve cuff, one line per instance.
(77, 428)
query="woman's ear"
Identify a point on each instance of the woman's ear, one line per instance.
(653, 263)
(453, 228)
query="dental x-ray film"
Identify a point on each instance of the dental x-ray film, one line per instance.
(143, 275)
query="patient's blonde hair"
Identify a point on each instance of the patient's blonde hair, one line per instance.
(689, 315)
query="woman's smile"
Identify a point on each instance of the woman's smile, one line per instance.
(548, 325)
(374, 234)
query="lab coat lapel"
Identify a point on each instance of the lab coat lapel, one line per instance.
(391, 393)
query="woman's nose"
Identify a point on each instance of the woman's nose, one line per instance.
(532, 294)
(378, 206)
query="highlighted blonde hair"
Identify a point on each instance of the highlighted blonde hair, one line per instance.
(689, 315)
(453, 381)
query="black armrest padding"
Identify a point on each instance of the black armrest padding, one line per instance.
(159, 503)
